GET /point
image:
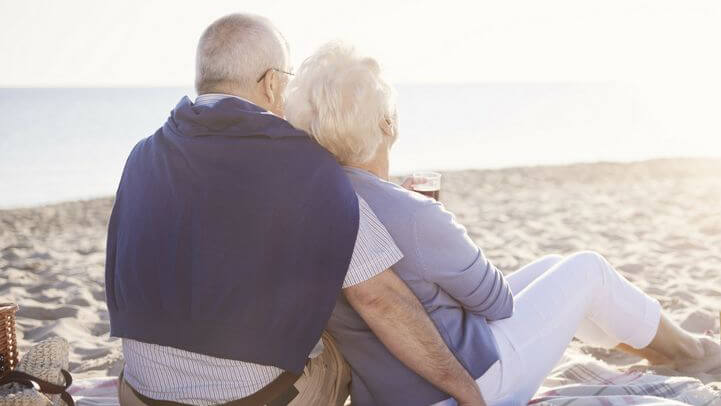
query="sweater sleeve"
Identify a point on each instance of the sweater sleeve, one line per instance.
(449, 258)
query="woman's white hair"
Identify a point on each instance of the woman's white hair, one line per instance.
(341, 99)
(235, 50)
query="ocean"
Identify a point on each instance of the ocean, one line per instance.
(60, 144)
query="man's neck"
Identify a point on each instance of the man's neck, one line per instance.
(212, 98)
(250, 98)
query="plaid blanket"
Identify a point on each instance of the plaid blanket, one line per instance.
(577, 381)
(95, 391)
(587, 381)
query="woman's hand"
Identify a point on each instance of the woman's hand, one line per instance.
(408, 183)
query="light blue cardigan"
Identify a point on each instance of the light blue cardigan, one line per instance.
(459, 288)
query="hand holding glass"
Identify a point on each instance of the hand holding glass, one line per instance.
(428, 184)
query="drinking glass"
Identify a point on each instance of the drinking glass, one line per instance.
(428, 184)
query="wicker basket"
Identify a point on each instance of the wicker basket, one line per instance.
(8, 340)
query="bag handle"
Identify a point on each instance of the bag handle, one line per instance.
(45, 387)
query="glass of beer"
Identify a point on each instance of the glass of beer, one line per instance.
(428, 184)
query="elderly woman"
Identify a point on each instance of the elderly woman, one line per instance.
(507, 331)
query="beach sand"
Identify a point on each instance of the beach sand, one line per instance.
(658, 222)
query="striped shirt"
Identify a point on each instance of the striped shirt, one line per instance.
(167, 373)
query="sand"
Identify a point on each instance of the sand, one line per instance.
(658, 221)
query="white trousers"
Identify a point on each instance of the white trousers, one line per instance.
(557, 298)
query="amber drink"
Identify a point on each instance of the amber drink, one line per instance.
(428, 184)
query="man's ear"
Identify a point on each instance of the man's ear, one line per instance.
(269, 84)
(386, 126)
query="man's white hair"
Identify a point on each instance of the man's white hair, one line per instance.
(235, 51)
(340, 98)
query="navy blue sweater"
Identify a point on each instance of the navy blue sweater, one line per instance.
(230, 236)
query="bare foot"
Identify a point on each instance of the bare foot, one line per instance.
(708, 359)
(654, 357)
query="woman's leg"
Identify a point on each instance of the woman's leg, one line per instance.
(587, 331)
(550, 309)
(555, 301)
(670, 340)
(672, 345)
(523, 277)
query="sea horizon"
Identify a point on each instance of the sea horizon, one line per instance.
(59, 144)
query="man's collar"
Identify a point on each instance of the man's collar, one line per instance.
(209, 99)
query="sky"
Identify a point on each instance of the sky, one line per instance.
(81, 43)
(666, 52)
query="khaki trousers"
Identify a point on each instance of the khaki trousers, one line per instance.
(325, 380)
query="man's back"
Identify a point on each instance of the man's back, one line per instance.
(220, 217)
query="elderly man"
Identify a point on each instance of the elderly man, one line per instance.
(231, 237)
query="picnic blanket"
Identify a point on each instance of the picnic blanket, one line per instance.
(579, 381)
(95, 391)
(583, 380)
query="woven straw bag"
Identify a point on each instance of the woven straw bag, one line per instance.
(41, 377)
(8, 341)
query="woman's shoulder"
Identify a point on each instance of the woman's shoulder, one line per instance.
(428, 235)
(382, 195)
